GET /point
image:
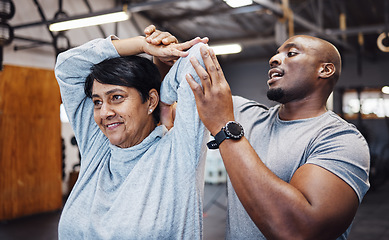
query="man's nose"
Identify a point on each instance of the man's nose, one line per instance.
(275, 60)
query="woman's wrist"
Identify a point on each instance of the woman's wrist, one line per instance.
(130, 46)
(141, 40)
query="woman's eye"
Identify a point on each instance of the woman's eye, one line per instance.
(116, 97)
(97, 103)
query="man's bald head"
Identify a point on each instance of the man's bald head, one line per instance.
(326, 52)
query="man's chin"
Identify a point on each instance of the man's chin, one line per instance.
(275, 94)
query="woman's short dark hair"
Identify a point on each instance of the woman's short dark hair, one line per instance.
(130, 71)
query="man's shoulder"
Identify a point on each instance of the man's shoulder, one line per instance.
(241, 103)
(339, 122)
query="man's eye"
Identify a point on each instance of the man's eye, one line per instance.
(291, 54)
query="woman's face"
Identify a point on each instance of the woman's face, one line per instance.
(121, 114)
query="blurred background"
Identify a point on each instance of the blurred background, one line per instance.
(39, 157)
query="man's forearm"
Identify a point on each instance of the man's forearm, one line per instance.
(280, 209)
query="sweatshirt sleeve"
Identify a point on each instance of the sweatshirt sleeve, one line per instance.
(71, 69)
(187, 124)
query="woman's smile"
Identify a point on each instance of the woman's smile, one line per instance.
(113, 126)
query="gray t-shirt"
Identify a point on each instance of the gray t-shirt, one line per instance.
(327, 141)
(153, 190)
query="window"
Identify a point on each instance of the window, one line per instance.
(63, 115)
(372, 103)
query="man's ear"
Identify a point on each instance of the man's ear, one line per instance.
(153, 99)
(326, 70)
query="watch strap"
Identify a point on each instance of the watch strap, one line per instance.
(212, 145)
(219, 138)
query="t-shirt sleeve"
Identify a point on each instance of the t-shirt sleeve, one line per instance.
(343, 151)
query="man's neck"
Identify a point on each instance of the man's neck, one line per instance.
(295, 111)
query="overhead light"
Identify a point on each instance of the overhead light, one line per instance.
(385, 89)
(89, 21)
(227, 49)
(238, 3)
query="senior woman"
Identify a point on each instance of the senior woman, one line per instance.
(137, 179)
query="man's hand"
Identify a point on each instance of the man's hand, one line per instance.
(165, 46)
(156, 37)
(213, 99)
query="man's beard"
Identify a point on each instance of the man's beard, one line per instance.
(275, 94)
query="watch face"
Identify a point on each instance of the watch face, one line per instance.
(234, 130)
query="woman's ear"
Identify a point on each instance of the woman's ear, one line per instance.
(326, 70)
(153, 100)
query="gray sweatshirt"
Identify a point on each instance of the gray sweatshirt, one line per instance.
(153, 190)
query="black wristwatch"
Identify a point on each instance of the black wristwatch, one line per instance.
(232, 130)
